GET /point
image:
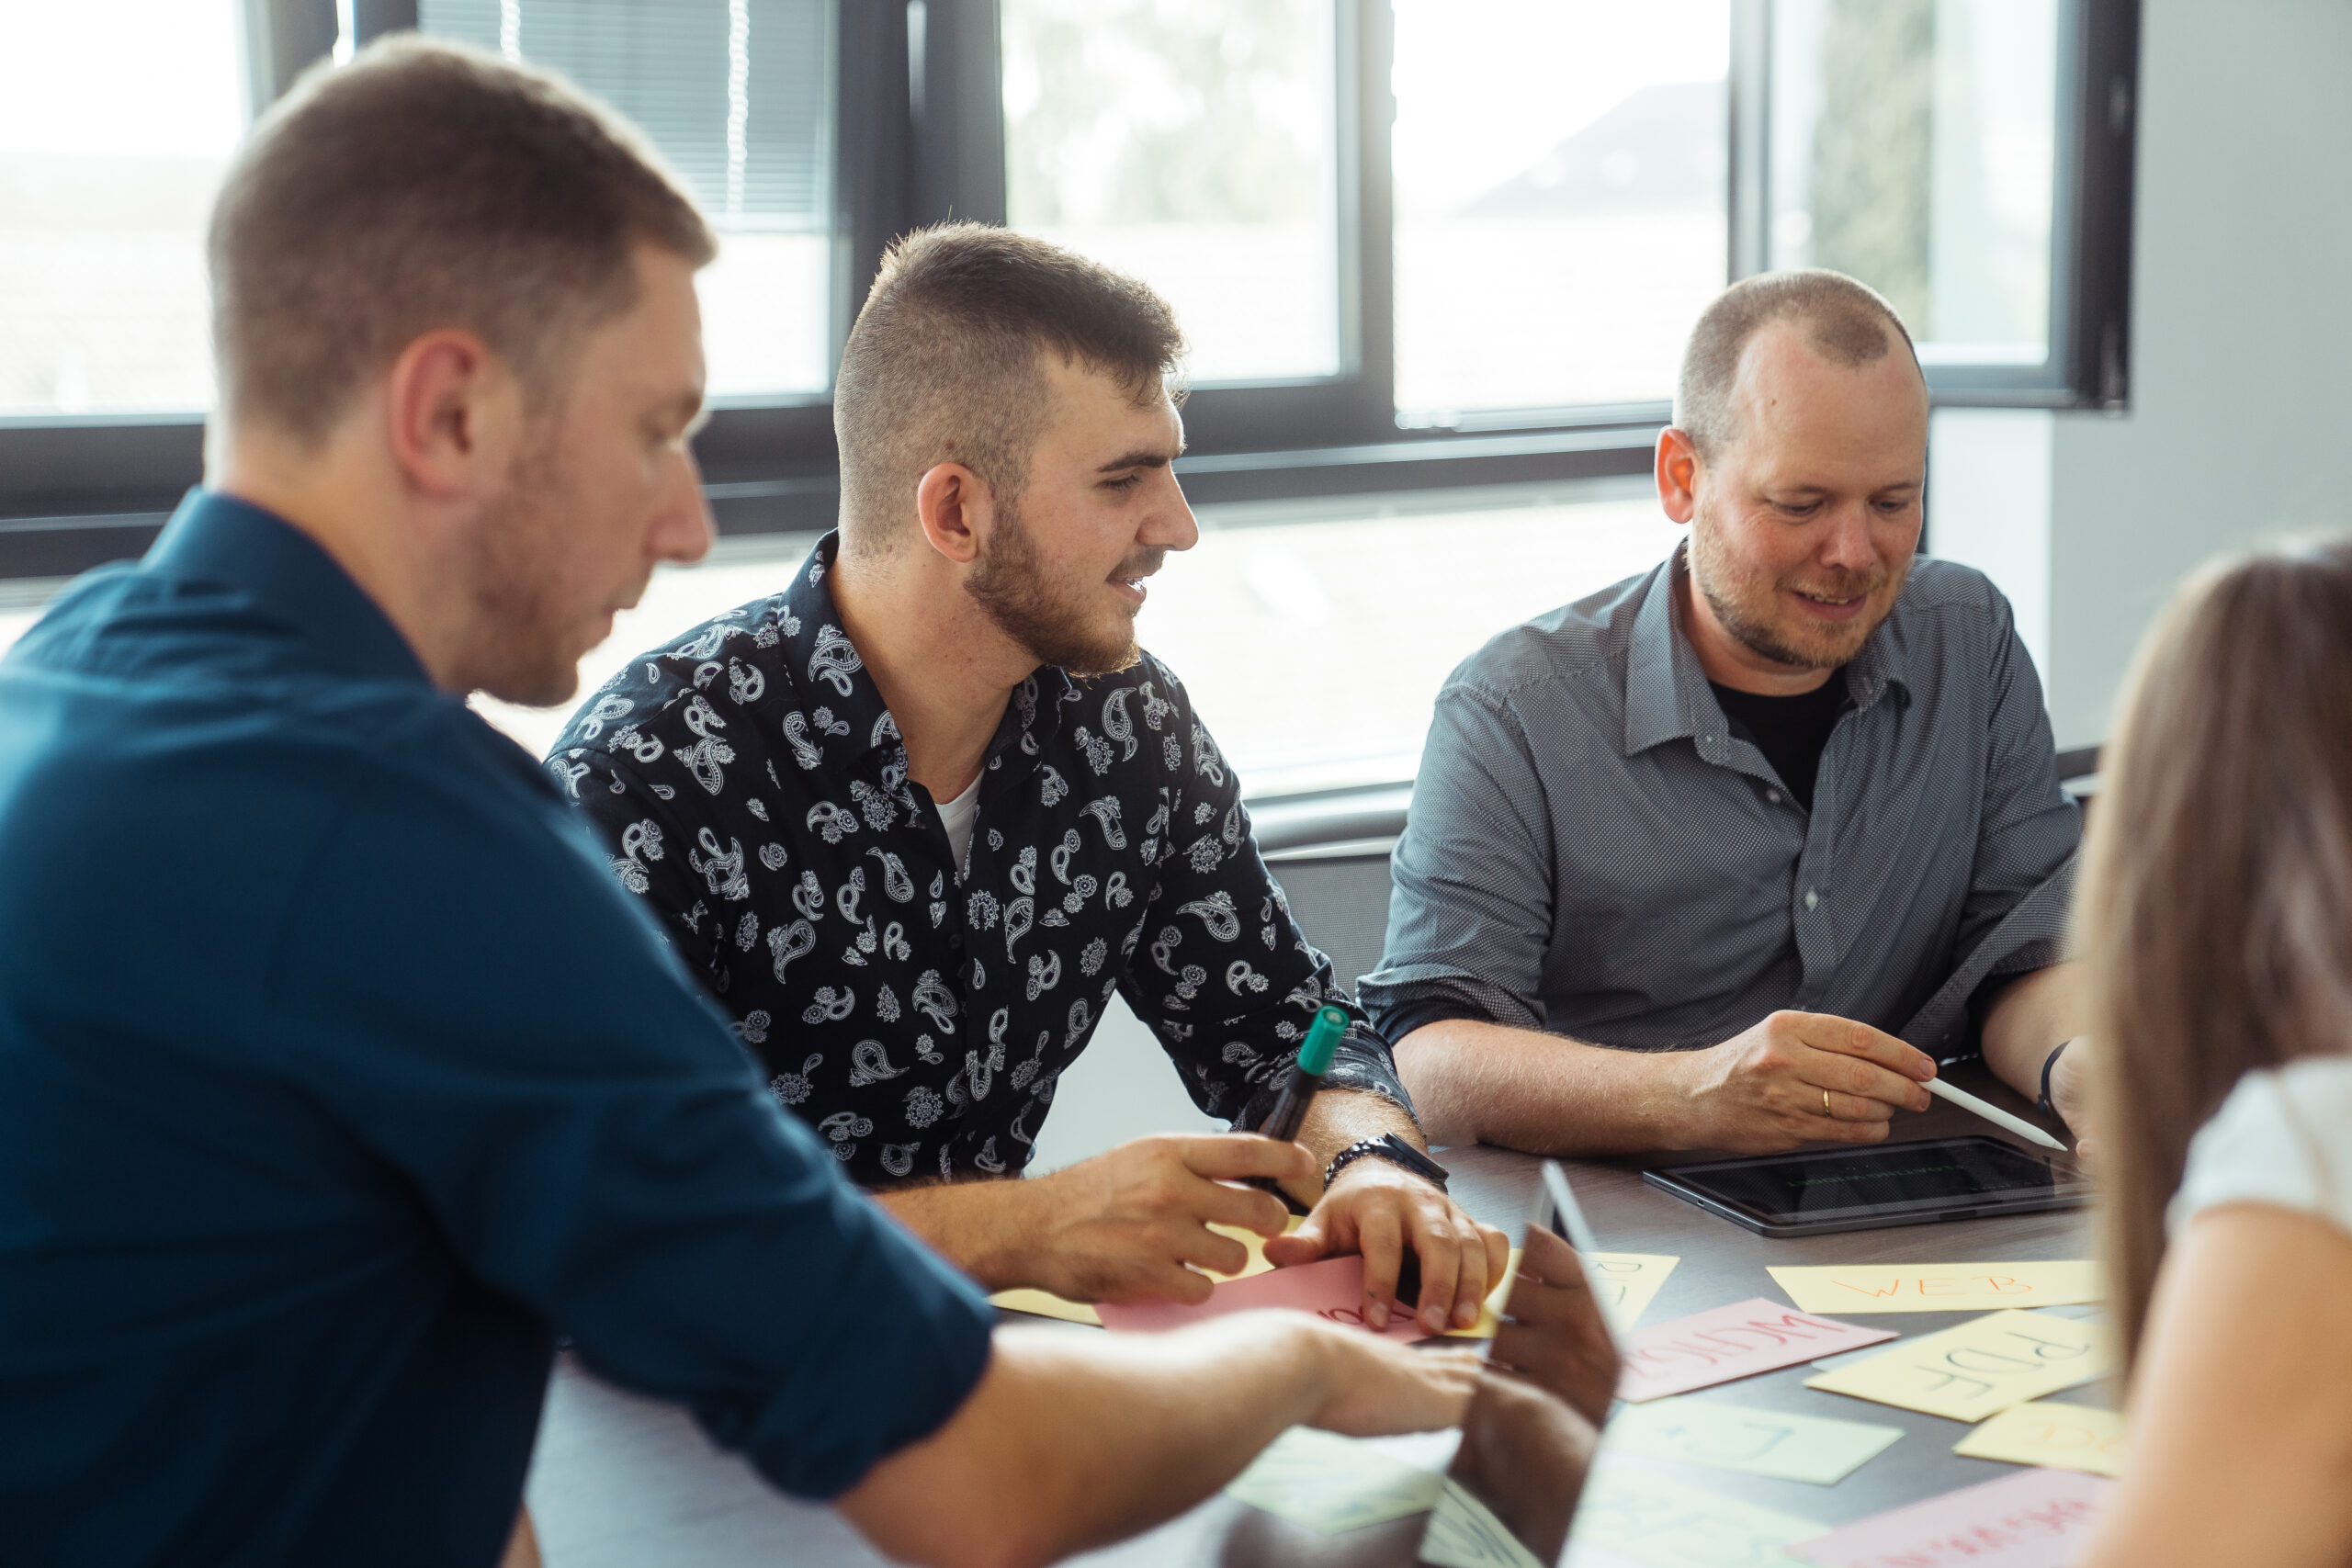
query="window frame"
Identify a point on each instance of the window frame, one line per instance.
(920, 137)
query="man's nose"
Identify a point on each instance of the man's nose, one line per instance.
(1848, 545)
(682, 530)
(1170, 524)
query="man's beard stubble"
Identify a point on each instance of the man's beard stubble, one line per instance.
(1057, 625)
(1737, 596)
(513, 569)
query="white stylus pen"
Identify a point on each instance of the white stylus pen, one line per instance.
(1993, 1114)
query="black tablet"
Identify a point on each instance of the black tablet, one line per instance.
(1871, 1189)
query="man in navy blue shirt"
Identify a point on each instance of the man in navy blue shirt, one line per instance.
(336, 1076)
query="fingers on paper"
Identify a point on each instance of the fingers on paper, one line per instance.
(1204, 1248)
(1380, 1236)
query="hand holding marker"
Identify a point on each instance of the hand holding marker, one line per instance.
(1305, 1078)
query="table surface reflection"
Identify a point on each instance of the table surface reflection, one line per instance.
(621, 1480)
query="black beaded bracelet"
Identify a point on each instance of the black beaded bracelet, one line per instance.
(2049, 1062)
(1394, 1150)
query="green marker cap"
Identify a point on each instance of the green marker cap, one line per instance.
(1322, 1039)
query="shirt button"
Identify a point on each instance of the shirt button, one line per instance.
(1773, 795)
(1811, 897)
(957, 940)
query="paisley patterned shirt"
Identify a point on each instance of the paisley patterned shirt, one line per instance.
(753, 790)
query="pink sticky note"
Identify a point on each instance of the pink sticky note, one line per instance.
(1728, 1342)
(2036, 1519)
(1331, 1290)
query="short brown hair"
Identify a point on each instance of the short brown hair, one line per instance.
(2217, 884)
(424, 185)
(943, 363)
(1846, 322)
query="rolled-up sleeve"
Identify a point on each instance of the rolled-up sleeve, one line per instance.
(513, 1040)
(1470, 914)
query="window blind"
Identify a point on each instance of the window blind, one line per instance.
(737, 93)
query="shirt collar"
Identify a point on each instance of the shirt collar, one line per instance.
(829, 673)
(824, 663)
(1667, 693)
(217, 538)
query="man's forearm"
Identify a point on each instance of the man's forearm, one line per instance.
(2027, 1021)
(1478, 1082)
(976, 1225)
(1342, 1116)
(1073, 1440)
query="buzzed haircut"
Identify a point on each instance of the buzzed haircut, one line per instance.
(1846, 321)
(426, 186)
(945, 364)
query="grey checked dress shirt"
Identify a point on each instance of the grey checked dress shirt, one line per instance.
(1592, 852)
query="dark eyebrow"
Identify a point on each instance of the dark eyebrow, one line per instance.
(1135, 460)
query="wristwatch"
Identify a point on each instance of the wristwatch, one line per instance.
(1393, 1149)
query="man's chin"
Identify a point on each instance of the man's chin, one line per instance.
(541, 684)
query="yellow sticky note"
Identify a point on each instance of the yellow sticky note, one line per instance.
(1969, 1373)
(1845, 1289)
(1633, 1513)
(1045, 1304)
(2062, 1436)
(1331, 1483)
(1812, 1448)
(1627, 1282)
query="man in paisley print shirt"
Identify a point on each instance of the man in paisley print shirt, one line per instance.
(917, 817)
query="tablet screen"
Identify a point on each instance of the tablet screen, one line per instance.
(1891, 1181)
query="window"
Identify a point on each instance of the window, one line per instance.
(1915, 145)
(1414, 244)
(1193, 146)
(116, 124)
(1560, 203)
(738, 96)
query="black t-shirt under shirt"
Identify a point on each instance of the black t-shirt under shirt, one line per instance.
(1790, 731)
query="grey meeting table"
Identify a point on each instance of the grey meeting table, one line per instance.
(622, 1479)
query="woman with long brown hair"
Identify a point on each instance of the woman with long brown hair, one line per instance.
(2217, 919)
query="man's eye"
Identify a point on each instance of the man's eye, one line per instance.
(1799, 508)
(1124, 485)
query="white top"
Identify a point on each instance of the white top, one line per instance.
(958, 815)
(2283, 1137)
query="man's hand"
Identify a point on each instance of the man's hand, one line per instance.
(1380, 1209)
(1797, 1077)
(1124, 1225)
(1380, 1387)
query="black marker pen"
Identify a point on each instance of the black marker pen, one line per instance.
(1305, 1078)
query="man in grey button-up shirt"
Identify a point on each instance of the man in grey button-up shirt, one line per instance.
(1596, 851)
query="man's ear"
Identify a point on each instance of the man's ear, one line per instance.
(1677, 473)
(957, 509)
(455, 412)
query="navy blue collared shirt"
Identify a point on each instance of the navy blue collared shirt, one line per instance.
(337, 1075)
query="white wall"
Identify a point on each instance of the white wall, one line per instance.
(1988, 506)
(2241, 407)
